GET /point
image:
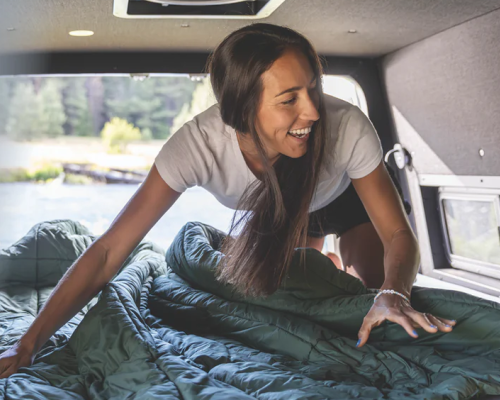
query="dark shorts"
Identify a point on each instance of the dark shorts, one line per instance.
(346, 212)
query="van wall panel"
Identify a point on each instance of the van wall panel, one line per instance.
(445, 96)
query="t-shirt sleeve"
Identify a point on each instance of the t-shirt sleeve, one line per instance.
(366, 149)
(184, 160)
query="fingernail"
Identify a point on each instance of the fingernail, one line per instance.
(433, 326)
(359, 341)
(448, 326)
(415, 333)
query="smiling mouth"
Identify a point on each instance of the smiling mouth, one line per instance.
(300, 133)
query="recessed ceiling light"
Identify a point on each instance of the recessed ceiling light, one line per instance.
(11, 29)
(81, 33)
(352, 31)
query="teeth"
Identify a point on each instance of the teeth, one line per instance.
(300, 132)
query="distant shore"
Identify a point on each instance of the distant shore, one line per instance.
(21, 161)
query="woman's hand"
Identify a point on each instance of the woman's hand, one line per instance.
(14, 358)
(395, 309)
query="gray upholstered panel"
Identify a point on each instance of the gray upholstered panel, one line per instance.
(445, 94)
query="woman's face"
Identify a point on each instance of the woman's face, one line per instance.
(289, 102)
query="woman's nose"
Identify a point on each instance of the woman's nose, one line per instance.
(310, 109)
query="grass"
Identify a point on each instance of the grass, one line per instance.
(40, 173)
(41, 161)
(43, 173)
(73, 179)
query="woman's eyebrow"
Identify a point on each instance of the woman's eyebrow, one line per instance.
(295, 88)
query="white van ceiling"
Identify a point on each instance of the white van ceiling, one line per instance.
(378, 26)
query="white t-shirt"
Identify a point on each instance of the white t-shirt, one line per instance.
(205, 152)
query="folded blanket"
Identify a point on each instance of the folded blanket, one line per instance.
(164, 327)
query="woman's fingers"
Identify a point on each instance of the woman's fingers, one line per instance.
(368, 324)
(442, 324)
(423, 320)
(398, 318)
(364, 332)
(8, 372)
(12, 359)
(429, 322)
(445, 321)
(405, 321)
(415, 324)
(402, 314)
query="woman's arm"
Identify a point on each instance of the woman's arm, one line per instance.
(401, 256)
(386, 211)
(93, 269)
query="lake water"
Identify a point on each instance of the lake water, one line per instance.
(23, 205)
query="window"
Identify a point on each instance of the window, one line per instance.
(471, 222)
(345, 88)
(65, 124)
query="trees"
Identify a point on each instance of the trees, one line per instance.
(5, 96)
(203, 98)
(23, 122)
(35, 115)
(117, 133)
(151, 104)
(76, 106)
(36, 107)
(52, 116)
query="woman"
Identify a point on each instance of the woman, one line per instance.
(278, 150)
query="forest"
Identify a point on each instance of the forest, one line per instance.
(33, 108)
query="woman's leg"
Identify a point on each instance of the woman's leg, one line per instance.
(317, 243)
(362, 253)
(361, 249)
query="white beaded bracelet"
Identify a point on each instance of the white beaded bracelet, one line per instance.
(390, 291)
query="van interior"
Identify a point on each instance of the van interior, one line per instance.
(426, 72)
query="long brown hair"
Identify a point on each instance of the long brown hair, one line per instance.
(273, 214)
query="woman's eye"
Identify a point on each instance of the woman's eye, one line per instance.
(291, 101)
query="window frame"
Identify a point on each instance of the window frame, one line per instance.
(472, 194)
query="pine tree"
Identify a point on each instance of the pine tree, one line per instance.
(151, 104)
(23, 122)
(96, 101)
(76, 107)
(203, 98)
(176, 92)
(6, 85)
(52, 110)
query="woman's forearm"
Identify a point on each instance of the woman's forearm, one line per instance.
(81, 282)
(401, 262)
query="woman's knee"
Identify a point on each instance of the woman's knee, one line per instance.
(315, 242)
(318, 243)
(362, 254)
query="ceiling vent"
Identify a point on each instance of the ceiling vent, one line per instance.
(207, 9)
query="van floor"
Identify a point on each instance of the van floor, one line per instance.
(427, 281)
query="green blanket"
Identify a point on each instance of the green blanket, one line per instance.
(165, 328)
